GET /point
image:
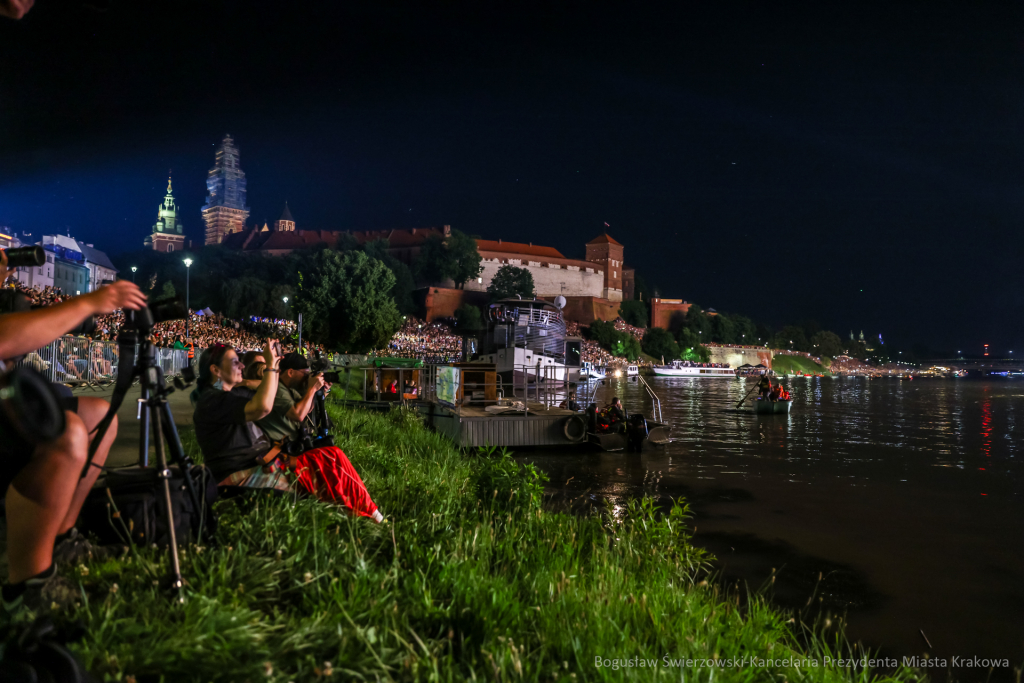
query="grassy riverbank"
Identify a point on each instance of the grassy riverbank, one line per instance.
(470, 579)
(790, 365)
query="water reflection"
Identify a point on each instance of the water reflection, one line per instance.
(887, 480)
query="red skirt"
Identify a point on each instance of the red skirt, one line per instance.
(327, 474)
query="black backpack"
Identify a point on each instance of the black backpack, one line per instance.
(128, 506)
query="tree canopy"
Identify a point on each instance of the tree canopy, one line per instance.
(510, 281)
(346, 302)
(660, 344)
(455, 257)
(634, 312)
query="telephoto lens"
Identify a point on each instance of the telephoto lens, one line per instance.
(30, 411)
(25, 257)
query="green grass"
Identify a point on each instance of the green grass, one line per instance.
(790, 365)
(471, 578)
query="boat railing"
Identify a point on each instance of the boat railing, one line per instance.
(655, 401)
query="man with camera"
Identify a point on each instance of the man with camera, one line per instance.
(322, 468)
(43, 482)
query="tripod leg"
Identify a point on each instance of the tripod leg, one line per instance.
(165, 474)
(170, 432)
(144, 427)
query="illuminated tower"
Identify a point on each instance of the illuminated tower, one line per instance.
(607, 254)
(225, 210)
(286, 223)
(167, 232)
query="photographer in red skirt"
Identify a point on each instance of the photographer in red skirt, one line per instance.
(323, 470)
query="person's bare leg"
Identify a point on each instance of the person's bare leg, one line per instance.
(38, 500)
(91, 410)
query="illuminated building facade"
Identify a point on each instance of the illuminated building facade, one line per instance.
(167, 232)
(225, 211)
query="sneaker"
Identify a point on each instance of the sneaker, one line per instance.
(40, 594)
(75, 548)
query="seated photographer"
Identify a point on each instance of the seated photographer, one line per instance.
(237, 452)
(43, 484)
(324, 471)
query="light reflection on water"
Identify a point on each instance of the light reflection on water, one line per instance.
(900, 486)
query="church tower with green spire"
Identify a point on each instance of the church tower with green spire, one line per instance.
(167, 232)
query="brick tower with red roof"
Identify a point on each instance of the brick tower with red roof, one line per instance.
(607, 253)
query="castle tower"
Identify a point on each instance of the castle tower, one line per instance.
(607, 254)
(286, 223)
(167, 232)
(225, 210)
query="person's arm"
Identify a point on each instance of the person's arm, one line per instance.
(260, 405)
(301, 408)
(27, 331)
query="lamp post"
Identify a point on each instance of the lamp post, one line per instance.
(285, 299)
(188, 269)
(134, 268)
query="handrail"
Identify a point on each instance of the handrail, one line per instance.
(654, 397)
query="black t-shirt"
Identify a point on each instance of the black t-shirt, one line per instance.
(229, 442)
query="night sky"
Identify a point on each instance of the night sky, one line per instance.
(858, 165)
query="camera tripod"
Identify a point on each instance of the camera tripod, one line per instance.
(155, 413)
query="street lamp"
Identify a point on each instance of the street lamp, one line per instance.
(134, 268)
(285, 299)
(188, 269)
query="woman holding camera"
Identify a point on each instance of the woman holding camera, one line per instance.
(237, 452)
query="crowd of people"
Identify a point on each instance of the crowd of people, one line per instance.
(202, 330)
(431, 342)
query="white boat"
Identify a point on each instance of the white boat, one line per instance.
(679, 368)
(590, 371)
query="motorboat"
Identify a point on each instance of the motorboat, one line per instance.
(681, 368)
(766, 407)
(589, 371)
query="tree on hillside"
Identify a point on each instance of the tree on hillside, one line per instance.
(746, 331)
(690, 347)
(626, 346)
(791, 337)
(244, 296)
(660, 344)
(463, 257)
(345, 299)
(826, 343)
(454, 258)
(723, 331)
(168, 290)
(604, 333)
(634, 312)
(405, 283)
(698, 323)
(468, 319)
(510, 281)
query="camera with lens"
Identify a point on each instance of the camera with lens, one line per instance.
(158, 311)
(321, 366)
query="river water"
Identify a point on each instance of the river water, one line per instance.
(904, 495)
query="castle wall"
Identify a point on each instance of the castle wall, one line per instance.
(550, 279)
(665, 312)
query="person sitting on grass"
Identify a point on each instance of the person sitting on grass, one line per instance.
(326, 471)
(237, 452)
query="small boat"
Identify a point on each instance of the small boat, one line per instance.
(657, 434)
(679, 368)
(590, 371)
(764, 407)
(632, 371)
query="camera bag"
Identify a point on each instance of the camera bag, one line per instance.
(127, 506)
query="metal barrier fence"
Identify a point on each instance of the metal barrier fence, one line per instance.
(87, 362)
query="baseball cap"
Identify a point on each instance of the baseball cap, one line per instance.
(293, 361)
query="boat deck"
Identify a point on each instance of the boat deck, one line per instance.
(476, 427)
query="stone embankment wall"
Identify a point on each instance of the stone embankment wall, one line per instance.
(736, 356)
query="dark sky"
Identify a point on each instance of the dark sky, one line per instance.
(856, 164)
